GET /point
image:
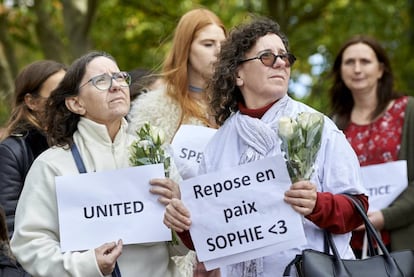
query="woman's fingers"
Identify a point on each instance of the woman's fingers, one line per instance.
(176, 216)
(166, 188)
(107, 255)
(302, 197)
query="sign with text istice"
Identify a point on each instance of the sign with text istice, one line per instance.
(242, 209)
(384, 183)
(99, 207)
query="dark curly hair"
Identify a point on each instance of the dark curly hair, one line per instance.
(223, 92)
(61, 122)
(341, 98)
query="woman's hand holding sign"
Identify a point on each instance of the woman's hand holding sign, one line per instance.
(166, 188)
(177, 216)
(106, 256)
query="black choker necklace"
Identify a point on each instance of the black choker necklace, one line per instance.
(195, 89)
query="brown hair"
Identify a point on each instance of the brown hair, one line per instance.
(175, 68)
(29, 80)
(61, 122)
(4, 235)
(341, 98)
(224, 94)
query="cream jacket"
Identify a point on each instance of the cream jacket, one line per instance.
(36, 238)
(159, 109)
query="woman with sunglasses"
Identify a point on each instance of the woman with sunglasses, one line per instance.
(248, 96)
(85, 115)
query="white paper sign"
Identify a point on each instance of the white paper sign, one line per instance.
(188, 146)
(242, 209)
(384, 183)
(95, 208)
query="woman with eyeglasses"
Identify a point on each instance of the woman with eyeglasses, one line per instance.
(378, 122)
(248, 96)
(87, 132)
(25, 132)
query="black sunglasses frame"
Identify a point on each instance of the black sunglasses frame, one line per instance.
(289, 56)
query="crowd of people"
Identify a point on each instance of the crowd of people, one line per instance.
(83, 118)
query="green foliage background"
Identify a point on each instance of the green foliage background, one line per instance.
(138, 33)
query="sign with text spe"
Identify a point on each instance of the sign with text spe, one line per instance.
(188, 147)
(241, 209)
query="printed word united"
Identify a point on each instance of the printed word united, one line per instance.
(115, 209)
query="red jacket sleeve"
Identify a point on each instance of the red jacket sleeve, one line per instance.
(336, 213)
(186, 239)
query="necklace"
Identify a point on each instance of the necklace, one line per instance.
(195, 89)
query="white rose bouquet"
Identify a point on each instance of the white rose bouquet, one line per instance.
(301, 140)
(150, 148)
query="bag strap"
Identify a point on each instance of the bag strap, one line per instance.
(367, 238)
(81, 168)
(390, 264)
(78, 159)
(372, 233)
(116, 272)
(286, 272)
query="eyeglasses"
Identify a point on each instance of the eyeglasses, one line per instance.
(269, 59)
(104, 81)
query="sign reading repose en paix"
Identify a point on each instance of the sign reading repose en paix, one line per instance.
(239, 211)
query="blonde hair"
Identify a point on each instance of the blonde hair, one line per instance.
(175, 67)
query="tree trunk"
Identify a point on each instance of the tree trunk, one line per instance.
(8, 63)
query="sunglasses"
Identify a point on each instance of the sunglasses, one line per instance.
(269, 59)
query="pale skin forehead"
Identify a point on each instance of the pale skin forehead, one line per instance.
(210, 32)
(100, 65)
(358, 51)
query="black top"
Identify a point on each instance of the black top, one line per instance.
(17, 153)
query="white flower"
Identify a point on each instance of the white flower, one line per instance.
(144, 144)
(287, 127)
(157, 135)
(301, 139)
(307, 120)
(149, 148)
(303, 120)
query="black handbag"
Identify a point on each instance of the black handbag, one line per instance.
(312, 263)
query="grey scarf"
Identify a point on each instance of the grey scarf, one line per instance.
(260, 137)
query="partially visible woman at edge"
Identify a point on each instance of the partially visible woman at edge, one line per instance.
(379, 124)
(8, 265)
(186, 71)
(24, 138)
(85, 111)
